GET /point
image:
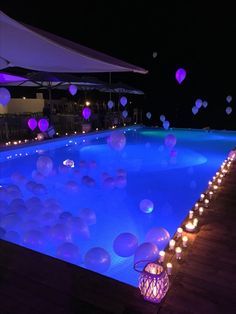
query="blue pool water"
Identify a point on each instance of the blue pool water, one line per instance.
(67, 212)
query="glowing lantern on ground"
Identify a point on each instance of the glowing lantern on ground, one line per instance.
(153, 282)
(180, 75)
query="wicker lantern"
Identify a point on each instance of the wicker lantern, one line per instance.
(153, 282)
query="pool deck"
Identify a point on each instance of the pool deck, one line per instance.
(203, 281)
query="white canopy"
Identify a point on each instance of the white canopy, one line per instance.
(31, 48)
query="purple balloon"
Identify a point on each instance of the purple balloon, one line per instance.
(32, 123)
(110, 104)
(86, 113)
(180, 75)
(162, 118)
(198, 103)
(125, 244)
(194, 110)
(123, 101)
(5, 96)
(73, 89)
(166, 124)
(228, 110)
(43, 125)
(125, 114)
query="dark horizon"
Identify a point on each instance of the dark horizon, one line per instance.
(192, 36)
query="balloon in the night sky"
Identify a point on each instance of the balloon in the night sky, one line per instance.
(180, 75)
(32, 123)
(162, 118)
(148, 115)
(5, 96)
(73, 89)
(229, 99)
(204, 103)
(125, 114)
(123, 101)
(110, 104)
(154, 54)
(194, 110)
(198, 103)
(86, 113)
(228, 110)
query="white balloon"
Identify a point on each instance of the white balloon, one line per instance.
(148, 115)
(229, 99)
(154, 54)
(125, 113)
(228, 110)
(204, 103)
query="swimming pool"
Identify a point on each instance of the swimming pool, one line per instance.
(134, 181)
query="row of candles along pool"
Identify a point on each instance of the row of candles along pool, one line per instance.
(154, 281)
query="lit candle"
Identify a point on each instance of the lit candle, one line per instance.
(202, 196)
(215, 187)
(178, 252)
(190, 214)
(201, 210)
(221, 175)
(195, 222)
(213, 178)
(162, 256)
(190, 227)
(196, 206)
(217, 173)
(185, 241)
(210, 183)
(179, 232)
(219, 181)
(211, 194)
(169, 268)
(172, 244)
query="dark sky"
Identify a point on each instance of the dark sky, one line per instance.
(190, 34)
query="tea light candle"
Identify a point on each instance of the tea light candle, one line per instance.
(172, 244)
(196, 206)
(217, 173)
(178, 252)
(221, 175)
(179, 232)
(201, 210)
(215, 187)
(185, 241)
(195, 222)
(210, 184)
(219, 181)
(190, 227)
(190, 214)
(213, 178)
(206, 202)
(169, 268)
(162, 256)
(211, 194)
(202, 196)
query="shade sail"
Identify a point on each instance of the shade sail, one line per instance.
(32, 48)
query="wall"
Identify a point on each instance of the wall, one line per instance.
(19, 105)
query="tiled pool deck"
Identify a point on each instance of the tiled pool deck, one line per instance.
(203, 282)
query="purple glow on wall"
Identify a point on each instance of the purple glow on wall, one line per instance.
(73, 89)
(43, 125)
(32, 123)
(5, 96)
(180, 75)
(86, 113)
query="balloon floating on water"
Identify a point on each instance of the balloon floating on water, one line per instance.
(73, 89)
(229, 99)
(44, 165)
(110, 104)
(180, 75)
(148, 115)
(159, 236)
(5, 96)
(123, 101)
(86, 113)
(43, 125)
(170, 140)
(228, 110)
(32, 123)
(117, 141)
(147, 251)
(97, 259)
(69, 163)
(146, 206)
(125, 244)
(68, 252)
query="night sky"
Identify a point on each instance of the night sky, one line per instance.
(185, 34)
